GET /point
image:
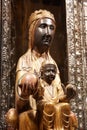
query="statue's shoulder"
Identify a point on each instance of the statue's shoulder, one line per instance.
(23, 61)
(24, 56)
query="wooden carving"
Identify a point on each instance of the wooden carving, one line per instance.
(41, 103)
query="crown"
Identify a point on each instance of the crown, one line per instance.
(38, 14)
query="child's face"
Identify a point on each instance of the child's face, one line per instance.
(49, 73)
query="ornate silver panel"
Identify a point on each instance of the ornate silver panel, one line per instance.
(77, 64)
(7, 62)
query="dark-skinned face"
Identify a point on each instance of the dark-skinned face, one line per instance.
(49, 72)
(44, 33)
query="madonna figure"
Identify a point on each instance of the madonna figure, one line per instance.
(31, 114)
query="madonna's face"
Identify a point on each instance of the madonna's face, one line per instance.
(44, 33)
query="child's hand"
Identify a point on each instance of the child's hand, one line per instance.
(70, 91)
